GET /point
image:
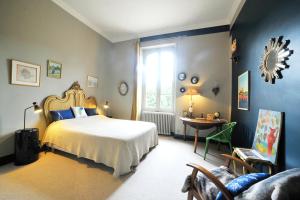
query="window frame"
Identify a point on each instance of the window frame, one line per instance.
(158, 48)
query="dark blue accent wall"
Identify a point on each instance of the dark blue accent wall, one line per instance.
(256, 24)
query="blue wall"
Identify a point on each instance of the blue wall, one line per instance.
(257, 23)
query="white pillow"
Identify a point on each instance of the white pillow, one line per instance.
(79, 112)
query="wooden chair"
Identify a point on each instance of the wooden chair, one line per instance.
(194, 192)
(223, 136)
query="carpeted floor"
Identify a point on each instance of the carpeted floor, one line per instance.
(60, 176)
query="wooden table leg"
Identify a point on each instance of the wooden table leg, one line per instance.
(184, 131)
(196, 140)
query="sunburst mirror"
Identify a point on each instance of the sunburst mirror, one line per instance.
(274, 60)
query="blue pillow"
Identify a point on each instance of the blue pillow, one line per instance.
(91, 111)
(61, 114)
(242, 183)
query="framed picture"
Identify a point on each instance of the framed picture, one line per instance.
(267, 134)
(243, 91)
(26, 74)
(92, 82)
(54, 69)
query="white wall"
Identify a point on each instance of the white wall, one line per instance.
(205, 56)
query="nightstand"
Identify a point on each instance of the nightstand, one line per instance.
(27, 146)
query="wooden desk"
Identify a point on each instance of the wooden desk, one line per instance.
(200, 124)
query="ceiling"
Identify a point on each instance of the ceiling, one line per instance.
(120, 20)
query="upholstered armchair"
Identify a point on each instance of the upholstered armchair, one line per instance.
(223, 183)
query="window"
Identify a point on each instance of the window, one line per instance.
(158, 65)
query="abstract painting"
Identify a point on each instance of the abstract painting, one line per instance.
(54, 69)
(25, 74)
(267, 134)
(92, 82)
(243, 91)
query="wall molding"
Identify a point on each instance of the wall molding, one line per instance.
(7, 159)
(194, 32)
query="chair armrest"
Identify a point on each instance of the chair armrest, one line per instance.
(244, 164)
(212, 178)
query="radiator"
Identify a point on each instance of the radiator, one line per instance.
(164, 121)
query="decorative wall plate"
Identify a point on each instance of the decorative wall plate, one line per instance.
(274, 59)
(194, 80)
(182, 89)
(123, 88)
(181, 76)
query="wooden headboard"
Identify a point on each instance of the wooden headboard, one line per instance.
(75, 96)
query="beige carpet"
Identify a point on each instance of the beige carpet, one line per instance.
(60, 176)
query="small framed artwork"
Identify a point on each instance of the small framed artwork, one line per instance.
(92, 82)
(54, 69)
(243, 91)
(26, 74)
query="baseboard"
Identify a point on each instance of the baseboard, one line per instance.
(188, 137)
(7, 159)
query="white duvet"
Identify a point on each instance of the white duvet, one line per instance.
(119, 144)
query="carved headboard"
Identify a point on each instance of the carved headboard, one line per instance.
(75, 96)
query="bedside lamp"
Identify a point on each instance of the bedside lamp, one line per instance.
(106, 107)
(191, 91)
(36, 108)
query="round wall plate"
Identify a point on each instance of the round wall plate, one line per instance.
(123, 88)
(194, 80)
(181, 76)
(182, 89)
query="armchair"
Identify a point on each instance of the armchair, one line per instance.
(221, 183)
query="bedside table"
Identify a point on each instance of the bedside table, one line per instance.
(27, 146)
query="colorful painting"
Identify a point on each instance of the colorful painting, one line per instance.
(54, 69)
(267, 134)
(243, 91)
(25, 74)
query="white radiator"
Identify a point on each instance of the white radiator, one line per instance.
(164, 121)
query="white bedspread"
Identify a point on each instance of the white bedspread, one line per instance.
(119, 144)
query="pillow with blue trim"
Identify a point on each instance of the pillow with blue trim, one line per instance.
(91, 111)
(61, 114)
(242, 183)
(79, 112)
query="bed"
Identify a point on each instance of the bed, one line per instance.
(119, 144)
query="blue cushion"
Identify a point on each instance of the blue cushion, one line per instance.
(242, 183)
(61, 114)
(91, 111)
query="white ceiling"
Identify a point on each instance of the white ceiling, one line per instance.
(120, 20)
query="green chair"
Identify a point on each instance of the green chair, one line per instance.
(221, 136)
